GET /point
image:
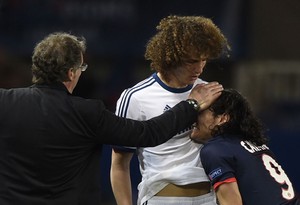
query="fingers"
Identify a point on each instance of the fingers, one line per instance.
(205, 94)
(210, 88)
(214, 86)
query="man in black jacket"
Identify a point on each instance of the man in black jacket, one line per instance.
(50, 140)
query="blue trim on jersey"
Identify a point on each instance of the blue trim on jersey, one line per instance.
(122, 112)
(173, 90)
(128, 93)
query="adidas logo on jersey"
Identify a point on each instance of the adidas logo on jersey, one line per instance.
(167, 107)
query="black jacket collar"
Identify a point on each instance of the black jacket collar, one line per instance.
(56, 85)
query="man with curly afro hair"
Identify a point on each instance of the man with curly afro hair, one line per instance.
(172, 172)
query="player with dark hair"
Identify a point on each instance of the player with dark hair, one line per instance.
(241, 167)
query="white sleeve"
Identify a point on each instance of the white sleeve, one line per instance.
(128, 106)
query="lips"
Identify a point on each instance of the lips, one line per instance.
(194, 78)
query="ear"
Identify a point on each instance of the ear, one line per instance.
(71, 74)
(223, 118)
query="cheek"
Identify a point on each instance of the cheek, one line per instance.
(195, 133)
(78, 74)
(208, 124)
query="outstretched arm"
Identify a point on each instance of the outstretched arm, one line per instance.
(120, 177)
(157, 130)
(229, 194)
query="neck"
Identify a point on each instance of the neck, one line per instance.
(69, 86)
(172, 81)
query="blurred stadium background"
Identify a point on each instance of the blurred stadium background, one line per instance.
(264, 63)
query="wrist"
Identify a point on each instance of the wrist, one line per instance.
(194, 103)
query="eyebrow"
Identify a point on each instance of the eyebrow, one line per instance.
(192, 60)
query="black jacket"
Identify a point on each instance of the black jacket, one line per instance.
(50, 143)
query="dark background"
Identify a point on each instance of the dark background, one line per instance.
(264, 63)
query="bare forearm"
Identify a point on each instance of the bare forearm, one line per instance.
(120, 177)
(121, 186)
(228, 194)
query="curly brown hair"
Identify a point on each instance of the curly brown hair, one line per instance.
(55, 55)
(181, 37)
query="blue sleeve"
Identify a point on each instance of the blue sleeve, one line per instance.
(218, 162)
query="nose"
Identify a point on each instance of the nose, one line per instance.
(202, 63)
(199, 66)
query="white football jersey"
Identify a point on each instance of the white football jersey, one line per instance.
(176, 161)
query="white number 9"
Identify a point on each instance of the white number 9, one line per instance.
(279, 175)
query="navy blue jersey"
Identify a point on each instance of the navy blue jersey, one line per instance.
(261, 180)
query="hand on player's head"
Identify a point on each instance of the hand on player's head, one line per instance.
(205, 94)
